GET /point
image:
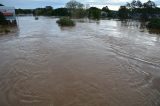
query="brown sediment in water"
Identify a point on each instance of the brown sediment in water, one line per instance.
(105, 64)
(155, 83)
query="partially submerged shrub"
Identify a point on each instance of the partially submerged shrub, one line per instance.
(65, 22)
(154, 24)
(6, 31)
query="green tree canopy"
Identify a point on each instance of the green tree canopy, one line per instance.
(94, 13)
(106, 9)
(134, 4)
(61, 12)
(123, 12)
(74, 5)
(75, 9)
(149, 4)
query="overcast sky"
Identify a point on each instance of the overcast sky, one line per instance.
(112, 4)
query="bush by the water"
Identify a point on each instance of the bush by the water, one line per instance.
(65, 22)
(4, 30)
(154, 24)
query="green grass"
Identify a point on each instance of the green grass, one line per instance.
(154, 24)
(65, 22)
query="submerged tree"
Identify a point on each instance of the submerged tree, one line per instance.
(76, 9)
(74, 5)
(139, 4)
(143, 10)
(94, 13)
(149, 8)
(61, 12)
(149, 4)
(106, 9)
(106, 12)
(134, 4)
(65, 21)
(123, 12)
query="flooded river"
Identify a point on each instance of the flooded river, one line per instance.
(105, 63)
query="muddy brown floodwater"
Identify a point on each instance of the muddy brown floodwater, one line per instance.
(105, 63)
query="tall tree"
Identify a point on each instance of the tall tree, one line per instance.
(74, 5)
(123, 12)
(107, 13)
(94, 13)
(61, 12)
(128, 5)
(139, 4)
(75, 9)
(106, 9)
(149, 4)
(134, 4)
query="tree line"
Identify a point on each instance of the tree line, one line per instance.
(74, 9)
(137, 9)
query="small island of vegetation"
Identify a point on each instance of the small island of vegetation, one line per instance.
(65, 21)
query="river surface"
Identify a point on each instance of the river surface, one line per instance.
(105, 63)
